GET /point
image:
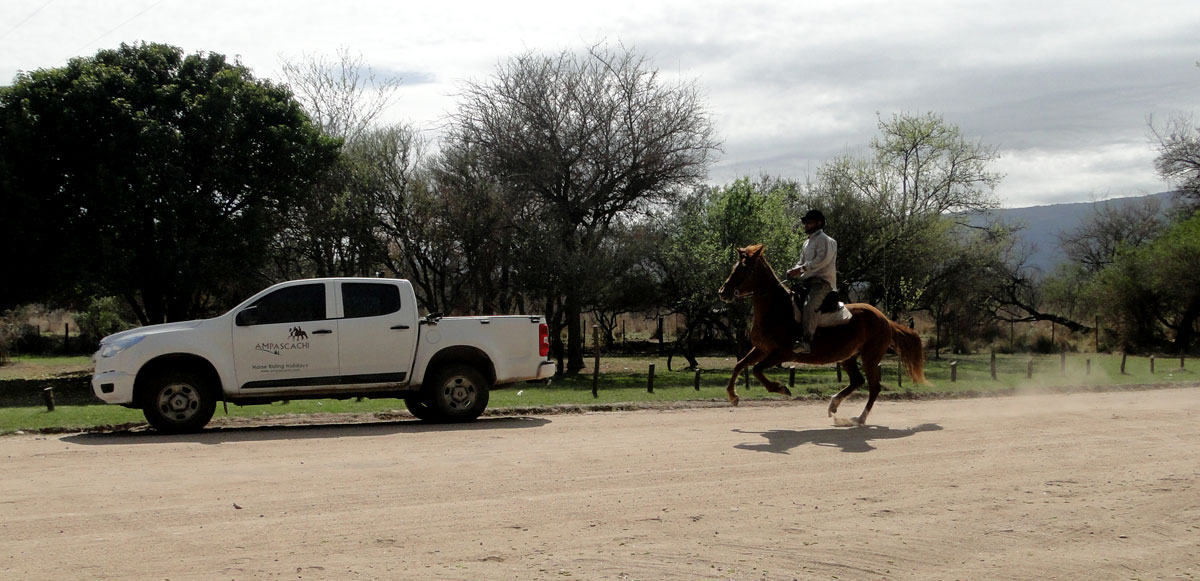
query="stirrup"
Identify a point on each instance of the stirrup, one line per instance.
(801, 347)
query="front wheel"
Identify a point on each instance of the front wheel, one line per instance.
(178, 402)
(457, 393)
(420, 408)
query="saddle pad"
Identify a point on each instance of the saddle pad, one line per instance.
(839, 317)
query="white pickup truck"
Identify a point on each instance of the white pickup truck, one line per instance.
(320, 338)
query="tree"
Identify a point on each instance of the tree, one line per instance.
(1152, 291)
(892, 211)
(154, 176)
(698, 253)
(1178, 160)
(583, 141)
(336, 229)
(1095, 244)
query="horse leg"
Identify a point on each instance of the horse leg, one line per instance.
(873, 385)
(772, 386)
(856, 381)
(754, 356)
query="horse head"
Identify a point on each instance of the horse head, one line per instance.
(748, 259)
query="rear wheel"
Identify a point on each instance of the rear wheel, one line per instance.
(178, 402)
(457, 393)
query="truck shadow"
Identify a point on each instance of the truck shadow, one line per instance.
(264, 433)
(847, 439)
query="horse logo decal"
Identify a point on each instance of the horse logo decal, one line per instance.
(296, 333)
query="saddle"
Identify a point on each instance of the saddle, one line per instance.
(831, 312)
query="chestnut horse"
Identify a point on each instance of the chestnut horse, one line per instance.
(868, 334)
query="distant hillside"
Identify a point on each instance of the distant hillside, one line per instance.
(1044, 223)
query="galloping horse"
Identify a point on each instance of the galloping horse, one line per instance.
(868, 334)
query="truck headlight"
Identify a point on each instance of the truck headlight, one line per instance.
(111, 349)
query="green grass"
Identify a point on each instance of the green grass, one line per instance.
(623, 380)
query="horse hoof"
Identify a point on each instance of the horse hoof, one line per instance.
(734, 401)
(785, 391)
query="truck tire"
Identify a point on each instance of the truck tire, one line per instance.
(457, 393)
(420, 408)
(178, 402)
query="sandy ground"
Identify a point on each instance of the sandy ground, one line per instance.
(1082, 486)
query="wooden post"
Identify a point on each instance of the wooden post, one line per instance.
(746, 376)
(953, 371)
(66, 336)
(650, 381)
(1123, 356)
(48, 397)
(1089, 367)
(838, 367)
(696, 380)
(1062, 362)
(1029, 370)
(993, 366)
(596, 363)
(792, 377)
(661, 335)
(899, 373)
(1151, 365)
(1181, 358)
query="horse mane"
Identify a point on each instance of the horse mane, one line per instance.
(759, 251)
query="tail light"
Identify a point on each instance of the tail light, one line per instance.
(544, 340)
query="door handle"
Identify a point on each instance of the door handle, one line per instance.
(322, 332)
(399, 327)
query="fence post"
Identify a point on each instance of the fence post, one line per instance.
(993, 366)
(48, 397)
(746, 376)
(696, 381)
(1151, 365)
(899, 373)
(596, 364)
(650, 381)
(792, 377)
(1062, 362)
(1181, 358)
(1089, 367)
(66, 337)
(953, 371)
(838, 366)
(1029, 371)
(1123, 356)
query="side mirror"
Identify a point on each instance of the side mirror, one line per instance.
(246, 317)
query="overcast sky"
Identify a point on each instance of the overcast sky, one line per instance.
(1062, 89)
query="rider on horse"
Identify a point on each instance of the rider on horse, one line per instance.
(817, 271)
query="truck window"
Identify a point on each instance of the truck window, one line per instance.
(367, 299)
(305, 302)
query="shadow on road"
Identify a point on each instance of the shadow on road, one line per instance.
(848, 439)
(260, 433)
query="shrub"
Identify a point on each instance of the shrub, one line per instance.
(104, 316)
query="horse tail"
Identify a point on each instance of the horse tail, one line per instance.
(912, 353)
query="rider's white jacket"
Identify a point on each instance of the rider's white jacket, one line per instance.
(818, 258)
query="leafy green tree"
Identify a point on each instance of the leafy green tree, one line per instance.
(892, 210)
(699, 251)
(1151, 293)
(153, 176)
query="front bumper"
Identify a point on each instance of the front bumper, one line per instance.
(113, 386)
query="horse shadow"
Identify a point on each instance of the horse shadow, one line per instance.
(854, 440)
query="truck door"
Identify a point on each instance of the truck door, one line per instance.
(377, 333)
(285, 340)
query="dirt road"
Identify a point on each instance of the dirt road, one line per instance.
(1083, 486)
